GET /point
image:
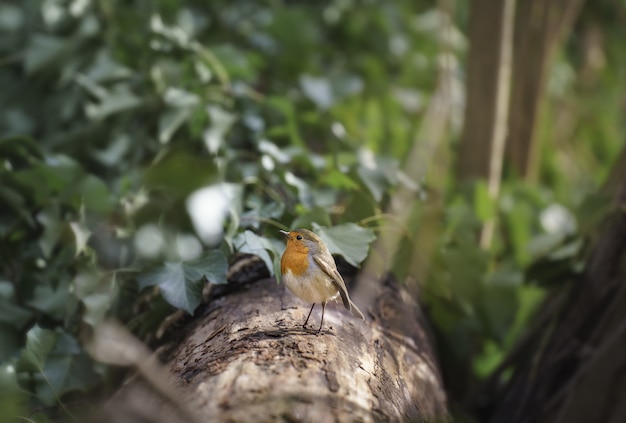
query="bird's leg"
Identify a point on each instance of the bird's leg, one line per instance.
(307, 317)
(322, 322)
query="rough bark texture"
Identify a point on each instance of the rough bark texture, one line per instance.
(573, 369)
(246, 357)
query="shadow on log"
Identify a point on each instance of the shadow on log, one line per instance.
(246, 357)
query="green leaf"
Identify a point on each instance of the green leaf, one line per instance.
(15, 200)
(318, 90)
(51, 300)
(118, 100)
(467, 265)
(221, 122)
(174, 286)
(170, 121)
(250, 243)
(95, 195)
(339, 180)
(181, 283)
(96, 305)
(70, 372)
(348, 240)
(498, 303)
(53, 227)
(212, 266)
(42, 51)
(20, 149)
(81, 235)
(13, 315)
(377, 173)
(39, 344)
(12, 343)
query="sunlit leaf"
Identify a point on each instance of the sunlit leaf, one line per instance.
(81, 235)
(221, 122)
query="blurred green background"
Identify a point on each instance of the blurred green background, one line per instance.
(138, 133)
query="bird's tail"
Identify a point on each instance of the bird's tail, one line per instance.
(355, 311)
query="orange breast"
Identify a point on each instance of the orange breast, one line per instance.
(296, 261)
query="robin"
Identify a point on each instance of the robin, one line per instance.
(310, 272)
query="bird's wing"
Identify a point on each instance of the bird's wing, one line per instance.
(336, 278)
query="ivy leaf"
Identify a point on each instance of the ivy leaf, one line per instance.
(181, 283)
(13, 315)
(50, 299)
(39, 344)
(378, 174)
(212, 266)
(81, 234)
(250, 243)
(338, 180)
(174, 287)
(96, 196)
(348, 240)
(96, 306)
(119, 100)
(69, 372)
(53, 227)
(498, 304)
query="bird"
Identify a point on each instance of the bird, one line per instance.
(309, 271)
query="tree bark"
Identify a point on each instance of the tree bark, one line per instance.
(573, 369)
(246, 357)
(539, 26)
(488, 86)
(481, 148)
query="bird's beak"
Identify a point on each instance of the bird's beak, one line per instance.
(284, 233)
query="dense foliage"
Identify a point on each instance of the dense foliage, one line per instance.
(145, 143)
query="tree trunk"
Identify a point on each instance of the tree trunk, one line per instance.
(539, 26)
(488, 87)
(573, 369)
(488, 82)
(246, 357)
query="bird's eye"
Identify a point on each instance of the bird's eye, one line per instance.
(299, 237)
